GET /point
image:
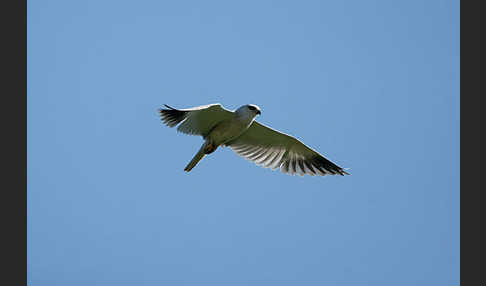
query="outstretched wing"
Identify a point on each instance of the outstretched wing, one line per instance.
(273, 149)
(196, 120)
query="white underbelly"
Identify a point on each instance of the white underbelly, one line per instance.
(226, 131)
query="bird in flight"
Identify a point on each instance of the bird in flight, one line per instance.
(256, 142)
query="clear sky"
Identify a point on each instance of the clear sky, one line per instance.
(372, 85)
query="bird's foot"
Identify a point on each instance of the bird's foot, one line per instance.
(210, 148)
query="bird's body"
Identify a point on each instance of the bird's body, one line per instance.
(228, 129)
(248, 138)
(222, 132)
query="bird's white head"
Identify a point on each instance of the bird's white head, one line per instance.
(249, 111)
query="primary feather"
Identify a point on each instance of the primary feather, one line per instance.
(270, 148)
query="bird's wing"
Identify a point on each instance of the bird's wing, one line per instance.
(273, 149)
(196, 120)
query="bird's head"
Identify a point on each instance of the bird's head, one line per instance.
(248, 112)
(254, 108)
(250, 109)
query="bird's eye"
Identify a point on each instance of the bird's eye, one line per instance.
(251, 107)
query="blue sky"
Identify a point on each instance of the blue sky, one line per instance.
(372, 85)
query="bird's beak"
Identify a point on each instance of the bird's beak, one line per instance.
(258, 112)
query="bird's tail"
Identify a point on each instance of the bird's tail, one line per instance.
(200, 154)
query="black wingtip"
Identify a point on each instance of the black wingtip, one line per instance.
(329, 167)
(169, 107)
(171, 116)
(344, 173)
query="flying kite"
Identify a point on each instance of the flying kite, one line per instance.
(250, 139)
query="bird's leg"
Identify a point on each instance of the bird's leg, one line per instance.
(210, 147)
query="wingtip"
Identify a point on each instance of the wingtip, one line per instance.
(169, 107)
(344, 172)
